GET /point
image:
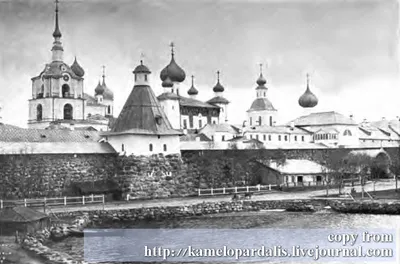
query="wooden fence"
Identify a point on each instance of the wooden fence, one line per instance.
(233, 190)
(59, 201)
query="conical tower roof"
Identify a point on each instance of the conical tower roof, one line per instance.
(142, 114)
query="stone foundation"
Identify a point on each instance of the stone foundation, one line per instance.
(366, 207)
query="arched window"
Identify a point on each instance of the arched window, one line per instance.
(279, 137)
(265, 94)
(39, 113)
(270, 120)
(259, 121)
(68, 112)
(109, 109)
(165, 147)
(145, 77)
(347, 133)
(65, 90)
(251, 121)
(123, 147)
(151, 147)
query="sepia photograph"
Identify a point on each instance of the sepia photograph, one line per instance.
(209, 131)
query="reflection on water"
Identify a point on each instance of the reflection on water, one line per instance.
(327, 219)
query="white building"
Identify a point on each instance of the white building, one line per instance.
(58, 92)
(142, 127)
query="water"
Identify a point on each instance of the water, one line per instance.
(253, 220)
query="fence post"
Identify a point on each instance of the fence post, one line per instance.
(83, 200)
(269, 187)
(65, 201)
(25, 202)
(259, 187)
(212, 191)
(103, 201)
(247, 189)
(198, 190)
(223, 190)
(235, 189)
(92, 198)
(1, 204)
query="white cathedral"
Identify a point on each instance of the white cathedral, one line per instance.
(172, 121)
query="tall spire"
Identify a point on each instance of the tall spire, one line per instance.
(218, 76)
(104, 74)
(192, 80)
(57, 32)
(308, 81)
(57, 46)
(260, 69)
(172, 45)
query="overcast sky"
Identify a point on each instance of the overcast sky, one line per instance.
(350, 49)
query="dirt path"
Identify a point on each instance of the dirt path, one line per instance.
(195, 200)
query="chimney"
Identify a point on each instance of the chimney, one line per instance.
(72, 126)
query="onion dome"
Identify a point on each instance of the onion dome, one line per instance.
(141, 68)
(167, 83)
(99, 89)
(77, 69)
(175, 73)
(261, 81)
(108, 94)
(192, 90)
(308, 99)
(218, 88)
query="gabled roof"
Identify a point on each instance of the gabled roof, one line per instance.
(142, 114)
(218, 100)
(298, 166)
(324, 118)
(194, 137)
(184, 101)
(276, 130)
(225, 128)
(16, 134)
(20, 215)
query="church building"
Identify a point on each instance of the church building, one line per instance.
(58, 93)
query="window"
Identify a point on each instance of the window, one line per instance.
(165, 145)
(65, 90)
(39, 112)
(299, 178)
(123, 148)
(259, 120)
(251, 136)
(264, 137)
(295, 138)
(173, 107)
(145, 77)
(265, 94)
(212, 138)
(109, 109)
(200, 123)
(151, 147)
(172, 90)
(257, 137)
(251, 121)
(68, 112)
(135, 77)
(184, 123)
(269, 137)
(214, 122)
(223, 138)
(302, 138)
(270, 121)
(279, 137)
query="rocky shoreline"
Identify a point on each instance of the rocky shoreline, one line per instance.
(36, 243)
(366, 207)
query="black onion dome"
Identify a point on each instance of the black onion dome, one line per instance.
(77, 69)
(108, 94)
(99, 89)
(192, 91)
(141, 69)
(308, 99)
(261, 80)
(175, 73)
(167, 83)
(218, 88)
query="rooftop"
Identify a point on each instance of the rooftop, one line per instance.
(324, 118)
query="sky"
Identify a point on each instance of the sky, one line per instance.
(349, 47)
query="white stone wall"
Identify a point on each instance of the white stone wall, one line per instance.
(253, 117)
(140, 144)
(172, 111)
